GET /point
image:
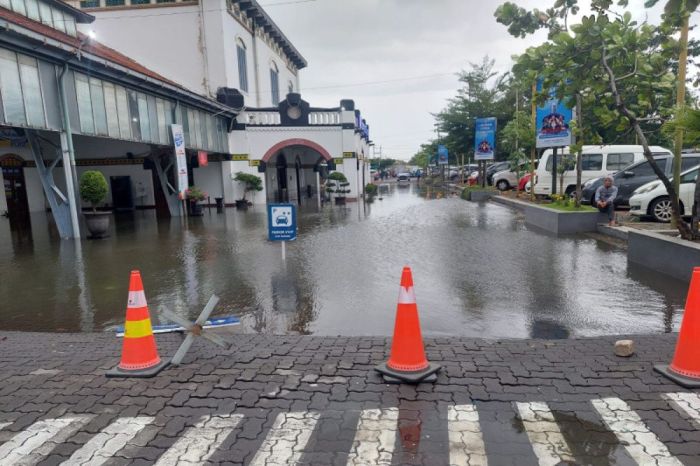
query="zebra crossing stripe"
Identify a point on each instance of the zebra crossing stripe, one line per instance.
(286, 440)
(548, 443)
(201, 441)
(642, 445)
(375, 437)
(37, 441)
(687, 404)
(100, 448)
(464, 432)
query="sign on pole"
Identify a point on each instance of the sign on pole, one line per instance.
(281, 222)
(485, 138)
(553, 122)
(443, 156)
(180, 158)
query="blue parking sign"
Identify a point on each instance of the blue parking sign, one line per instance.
(281, 222)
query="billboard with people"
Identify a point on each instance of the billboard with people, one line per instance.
(553, 121)
(485, 139)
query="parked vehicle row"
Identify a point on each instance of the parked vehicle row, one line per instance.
(651, 199)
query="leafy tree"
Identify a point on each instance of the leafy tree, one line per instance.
(518, 139)
(620, 69)
(426, 155)
(251, 182)
(93, 188)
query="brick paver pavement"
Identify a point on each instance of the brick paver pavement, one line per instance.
(316, 400)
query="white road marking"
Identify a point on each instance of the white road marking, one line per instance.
(4, 424)
(466, 442)
(286, 440)
(375, 437)
(642, 445)
(687, 404)
(548, 443)
(201, 441)
(100, 448)
(37, 441)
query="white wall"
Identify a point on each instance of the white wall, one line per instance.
(208, 179)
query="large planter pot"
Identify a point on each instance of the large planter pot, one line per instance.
(219, 204)
(195, 209)
(241, 204)
(669, 255)
(97, 223)
(339, 201)
(556, 221)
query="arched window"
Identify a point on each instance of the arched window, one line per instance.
(242, 65)
(275, 83)
(290, 87)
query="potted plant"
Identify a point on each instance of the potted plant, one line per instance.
(194, 196)
(250, 183)
(339, 187)
(93, 189)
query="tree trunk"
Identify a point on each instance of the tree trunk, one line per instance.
(579, 155)
(631, 117)
(696, 203)
(680, 100)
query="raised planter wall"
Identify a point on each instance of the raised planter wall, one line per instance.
(554, 221)
(480, 196)
(671, 256)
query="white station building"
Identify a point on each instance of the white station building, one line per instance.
(220, 68)
(232, 50)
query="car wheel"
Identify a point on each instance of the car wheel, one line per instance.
(570, 191)
(660, 209)
(503, 185)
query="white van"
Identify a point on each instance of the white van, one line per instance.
(596, 161)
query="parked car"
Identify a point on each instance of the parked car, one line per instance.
(632, 177)
(507, 179)
(597, 161)
(495, 168)
(403, 179)
(652, 199)
(524, 180)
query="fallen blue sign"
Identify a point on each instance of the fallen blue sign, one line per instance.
(281, 222)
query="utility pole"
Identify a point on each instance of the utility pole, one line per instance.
(533, 108)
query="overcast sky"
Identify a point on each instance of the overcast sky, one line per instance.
(397, 59)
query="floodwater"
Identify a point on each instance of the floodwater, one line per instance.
(478, 271)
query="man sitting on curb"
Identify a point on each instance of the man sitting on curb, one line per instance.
(605, 197)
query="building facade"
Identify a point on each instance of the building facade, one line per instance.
(234, 44)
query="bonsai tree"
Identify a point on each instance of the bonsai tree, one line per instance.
(250, 182)
(339, 187)
(93, 188)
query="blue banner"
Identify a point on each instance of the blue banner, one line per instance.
(443, 156)
(281, 222)
(553, 121)
(485, 138)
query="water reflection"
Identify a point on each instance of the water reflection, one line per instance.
(478, 270)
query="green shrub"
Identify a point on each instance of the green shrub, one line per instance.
(93, 188)
(195, 194)
(371, 189)
(252, 182)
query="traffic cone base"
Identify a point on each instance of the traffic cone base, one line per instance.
(392, 376)
(681, 380)
(139, 373)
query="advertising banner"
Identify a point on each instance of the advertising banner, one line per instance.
(553, 122)
(443, 155)
(202, 158)
(485, 138)
(180, 158)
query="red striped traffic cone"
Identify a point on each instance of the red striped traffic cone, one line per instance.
(139, 352)
(407, 362)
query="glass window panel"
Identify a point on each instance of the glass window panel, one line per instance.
(162, 129)
(33, 103)
(33, 9)
(144, 121)
(90, 4)
(275, 85)
(70, 26)
(123, 113)
(140, 2)
(134, 115)
(619, 161)
(689, 162)
(98, 106)
(185, 121)
(58, 21)
(689, 177)
(192, 141)
(211, 132)
(11, 88)
(45, 13)
(114, 2)
(82, 91)
(242, 67)
(111, 109)
(592, 161)
(18, 6)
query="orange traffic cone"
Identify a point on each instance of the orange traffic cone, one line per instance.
(139, 353)
(407, 362)
(685, 366)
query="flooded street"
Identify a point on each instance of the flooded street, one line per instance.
(478, 271)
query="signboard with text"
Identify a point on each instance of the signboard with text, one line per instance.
(485, 138)
(553, 122)
(180, 158)
(281, 222)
